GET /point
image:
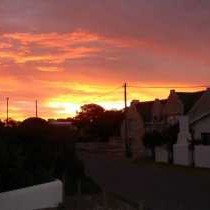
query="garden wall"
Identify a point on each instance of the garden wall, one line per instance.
(202, 156)
(181, 154)
(161, 154)
(46, 195)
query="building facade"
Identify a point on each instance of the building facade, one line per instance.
(144, 117)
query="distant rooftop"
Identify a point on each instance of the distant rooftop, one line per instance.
(189, 99)
(60, 123)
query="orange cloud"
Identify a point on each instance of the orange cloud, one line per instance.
(57, 47)
(49, 69)
(64, 71)
(54, 39)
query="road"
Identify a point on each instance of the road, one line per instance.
(160, 187)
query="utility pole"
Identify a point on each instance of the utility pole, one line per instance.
(7, 120)
(36, 109)
(125, 95)
(127, 145)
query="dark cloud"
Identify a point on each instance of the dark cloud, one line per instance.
(182, 24)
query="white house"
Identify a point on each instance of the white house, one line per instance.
(193, 108)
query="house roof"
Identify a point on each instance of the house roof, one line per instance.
(189, 99)
(201, 108)
(163, 101)
(200, 118)
(144, 109)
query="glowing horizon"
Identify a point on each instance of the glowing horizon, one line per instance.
(64, 107)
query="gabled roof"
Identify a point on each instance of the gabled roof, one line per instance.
(163, 101)
(200, 118)
(145, 110)
(201, 108)
(189, 99)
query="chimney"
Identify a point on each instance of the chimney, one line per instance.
(134, 102)
(172, 91)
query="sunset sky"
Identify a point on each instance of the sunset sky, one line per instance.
(66, 53)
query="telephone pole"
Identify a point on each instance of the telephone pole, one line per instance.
(127, 145)
(7, 120)
(36, 104)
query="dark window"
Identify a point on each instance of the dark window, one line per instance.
(205, 138)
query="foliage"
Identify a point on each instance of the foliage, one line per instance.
(35, 152)
(96, 124)
(167, 136)
(88, 114)
(152, 139)
(170, 134)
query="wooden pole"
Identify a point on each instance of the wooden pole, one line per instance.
(127, 141)
(36, 109)
(126, 122)
(7, 120)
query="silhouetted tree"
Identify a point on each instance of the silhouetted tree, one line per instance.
(89, 113)
(36, 152)
(151, 140)
(170, 135)
(96, 124)
(108, 124)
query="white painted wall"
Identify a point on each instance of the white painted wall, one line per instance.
(202, 156)
(202, 126)
(36, 197)
(181, 154)
(184, 135)
(161, 154)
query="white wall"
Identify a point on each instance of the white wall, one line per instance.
(161, 154)
(184, 135)
(181, 154)
(35, 197)
(201, 126)
(202, 156)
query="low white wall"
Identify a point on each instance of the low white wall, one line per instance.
(36, 197)
(202, 156)
(161, 154)
(181, 154)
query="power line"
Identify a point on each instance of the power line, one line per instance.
(110, 92)
(106, 93)
(169, 87)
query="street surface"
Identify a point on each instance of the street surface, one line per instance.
(160, 187)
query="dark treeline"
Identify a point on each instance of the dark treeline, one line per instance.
(167, 137)
(94, 123)
(35, 151)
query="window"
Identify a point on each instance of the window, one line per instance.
(205, 138)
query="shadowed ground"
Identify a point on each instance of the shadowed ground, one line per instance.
(161, 187)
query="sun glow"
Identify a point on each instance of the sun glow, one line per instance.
(63, 108)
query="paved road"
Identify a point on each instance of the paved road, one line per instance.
(162, 188)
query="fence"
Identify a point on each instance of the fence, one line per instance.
(181, 155)
(202, 156)
(161, 154)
